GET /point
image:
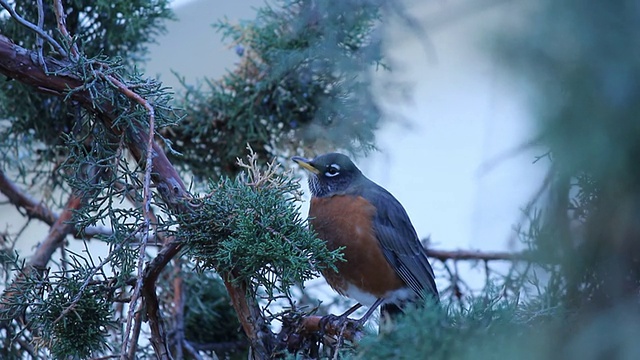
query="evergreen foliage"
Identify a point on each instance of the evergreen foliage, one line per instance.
(75, 149)
(251, 226)
(69, 311)
(208, 316)
(119, 30)
(303, 82)
(582, 65)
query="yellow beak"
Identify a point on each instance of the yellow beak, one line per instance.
(305, 164)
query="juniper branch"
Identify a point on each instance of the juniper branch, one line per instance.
(38, 262)
(146, 206)
(33, 27)
(61, 20)
(15, 62)
(37, 210)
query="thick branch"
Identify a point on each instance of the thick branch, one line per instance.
(250, 316)
(21, 64)
(24, 201)
(37, 210)
(57, 233)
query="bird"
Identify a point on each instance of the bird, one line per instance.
(385, 264)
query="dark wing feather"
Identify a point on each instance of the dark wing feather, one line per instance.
(399, 241)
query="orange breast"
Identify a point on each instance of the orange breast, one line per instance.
(347, 221)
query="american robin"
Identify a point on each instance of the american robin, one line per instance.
(385, 263)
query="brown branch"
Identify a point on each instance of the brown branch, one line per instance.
(444, 255)
(37, 210)
(152, 271)
(251, 319)
(38, 262)
(24, 201)
(33, 28)
(19, 63)
(57, 234)
(61, 20)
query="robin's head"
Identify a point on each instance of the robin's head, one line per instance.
(331, 173)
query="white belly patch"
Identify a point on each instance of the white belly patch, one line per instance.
(367, 299)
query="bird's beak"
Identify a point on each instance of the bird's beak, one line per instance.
(305, 164)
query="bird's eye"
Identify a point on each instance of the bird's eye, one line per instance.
(332, 170)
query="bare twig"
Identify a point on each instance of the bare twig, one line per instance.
(39, 39)
(444, 255)
(61, 19)
(178, 309)
(146, 206)
(33, 27)
(38, 210)
(135, 335)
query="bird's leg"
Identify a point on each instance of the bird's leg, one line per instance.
(351, 310)
(367, 315)
(340, 321)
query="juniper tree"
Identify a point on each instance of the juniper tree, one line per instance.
(83, 128)
(106, 150)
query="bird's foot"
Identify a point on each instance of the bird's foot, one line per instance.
(341, 326)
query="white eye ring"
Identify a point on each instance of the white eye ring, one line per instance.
(334, 169)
